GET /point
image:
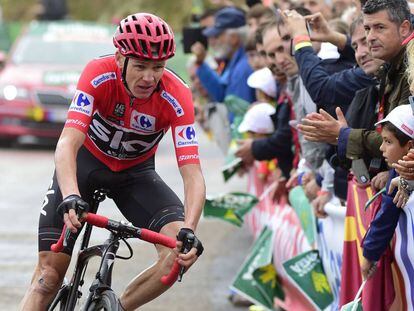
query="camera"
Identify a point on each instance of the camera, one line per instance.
(192, 35)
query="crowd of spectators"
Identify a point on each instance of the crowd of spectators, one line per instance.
(329, 85)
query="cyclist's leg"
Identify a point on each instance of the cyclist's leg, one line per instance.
(51, 268)
(46, 280)
(145, 200)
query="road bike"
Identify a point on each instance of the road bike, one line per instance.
(101, 296)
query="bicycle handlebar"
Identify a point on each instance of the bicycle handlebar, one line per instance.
(140, 233)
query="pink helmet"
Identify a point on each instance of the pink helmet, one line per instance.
(145, 35)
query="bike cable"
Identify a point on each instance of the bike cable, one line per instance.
(131, 252)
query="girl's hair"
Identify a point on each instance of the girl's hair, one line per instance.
(402, 138)
(410, 62)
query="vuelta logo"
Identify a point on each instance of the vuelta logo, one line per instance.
(82, 102)
(185, 136)
(142, 122)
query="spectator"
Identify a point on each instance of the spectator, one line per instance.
(229, 31)
(339, 7)
(397, 135)
(258, 14)
(257, 123)
(327, 89)
(317, 6)
(361, 112)
(385, 43)
(263, 82)
(279, 144)
(256, 61)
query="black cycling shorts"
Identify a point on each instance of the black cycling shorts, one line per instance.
(139, 192)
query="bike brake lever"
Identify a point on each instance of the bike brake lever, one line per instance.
(66, 237)
(187, 246)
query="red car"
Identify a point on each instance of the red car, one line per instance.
(40, 76)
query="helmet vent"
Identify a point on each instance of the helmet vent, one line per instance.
(124, 44)
(158, 31)
(128, 28)
(134, 45)
(138, 29)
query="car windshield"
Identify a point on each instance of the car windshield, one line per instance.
(61, 48)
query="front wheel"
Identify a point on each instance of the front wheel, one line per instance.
(107, 301)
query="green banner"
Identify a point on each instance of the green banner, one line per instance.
(232, 163)
(230, 207)
(307, 273)
(236, 105)
(352, 306)
(303, 209)
(257, 279)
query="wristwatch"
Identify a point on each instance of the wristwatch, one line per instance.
(406, 186)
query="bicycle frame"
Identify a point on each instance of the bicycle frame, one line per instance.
(69, 293)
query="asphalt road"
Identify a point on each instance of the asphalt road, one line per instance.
(25, 174)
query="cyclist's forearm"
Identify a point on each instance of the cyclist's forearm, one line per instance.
(65, 161)
(195, 193)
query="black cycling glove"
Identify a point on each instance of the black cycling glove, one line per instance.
(72, 201)
(187, 236)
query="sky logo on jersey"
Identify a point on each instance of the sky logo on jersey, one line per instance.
(103, 78)
(142, 122)
(82, 102)
(185, 136)
(173, 102)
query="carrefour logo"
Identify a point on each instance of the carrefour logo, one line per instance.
(173, 102)
(82, 102)
(97, 81)
(185, 136)
(143, 122)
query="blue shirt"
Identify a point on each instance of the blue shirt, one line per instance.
(233, 80)
(329, 90)
(382, 228)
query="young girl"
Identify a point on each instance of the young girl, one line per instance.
(397, 138)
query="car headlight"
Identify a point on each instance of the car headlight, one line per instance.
(11, 92)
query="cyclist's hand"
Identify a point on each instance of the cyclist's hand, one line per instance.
(69, 208)
(186, 239)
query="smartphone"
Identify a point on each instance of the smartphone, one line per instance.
(309, 28)
(192, 35)
(360, 171)
(411, 101)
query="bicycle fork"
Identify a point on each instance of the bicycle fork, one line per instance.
(103, 278)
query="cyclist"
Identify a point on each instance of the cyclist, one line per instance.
(123, 106)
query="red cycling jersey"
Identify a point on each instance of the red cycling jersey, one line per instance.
(122, 132)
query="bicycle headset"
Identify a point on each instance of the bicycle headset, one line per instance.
(143, 36)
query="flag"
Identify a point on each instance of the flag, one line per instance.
(257, 279)
(356, 304)
(230, 207)
(232, 163)
(378, 293)
(329, 241)
(404, 255)
(303, 209)
(306, 271)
